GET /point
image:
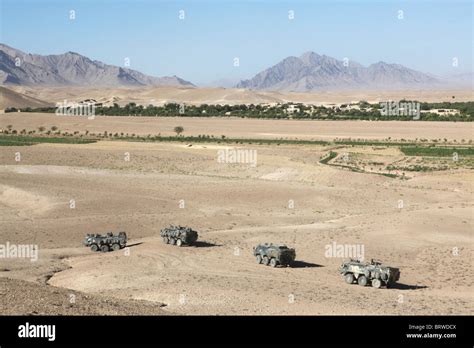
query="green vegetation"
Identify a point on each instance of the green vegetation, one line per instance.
(435, 158)
(14, 140)
(436, 151)
(329, 157)
(326, 159)
(212, 139)
(357, 111)
(466, 108)
(408, 148)
(178, 130)
(362, 142)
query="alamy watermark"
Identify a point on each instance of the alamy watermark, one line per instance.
(240, 156)
(28, 330)
(352, 251)
(76, 109)
(25, 251)
(401, 108)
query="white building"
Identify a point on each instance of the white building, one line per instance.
(291, 109)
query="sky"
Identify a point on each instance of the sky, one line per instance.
(433, 36)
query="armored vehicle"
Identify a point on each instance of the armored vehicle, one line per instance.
(106, 242)
(274, 255)
(178, 235)
(373, 272)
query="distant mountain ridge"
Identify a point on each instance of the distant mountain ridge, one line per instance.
(309, 72)
(71, 69)
(312, 71)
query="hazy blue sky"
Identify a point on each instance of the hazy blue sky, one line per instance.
(202, 47)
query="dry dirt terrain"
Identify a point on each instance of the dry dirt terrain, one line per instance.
(289, 198)
(10, 98)
(237, 128)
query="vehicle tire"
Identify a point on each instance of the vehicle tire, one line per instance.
(265, 260)
(259, 259)
(104, 248)
(172, 241)
(376, 283)
(362, 280)
(349, 278)
(115, 246)
(179, 242)
(94, 247)
(165, 240)
(273, 262)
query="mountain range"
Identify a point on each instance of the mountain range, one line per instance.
(312, 71)
(71, 69)
(309, 72)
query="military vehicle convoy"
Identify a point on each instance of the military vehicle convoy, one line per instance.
(373, 272)
(274, 255)
(106, 242)
(178, 235)
(354, 271)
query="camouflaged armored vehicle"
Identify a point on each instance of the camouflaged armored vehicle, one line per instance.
(373, 272)
(178, 235)
(274, 255)
(106, 242)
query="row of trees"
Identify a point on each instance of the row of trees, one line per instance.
(365, 111)
(54, 130)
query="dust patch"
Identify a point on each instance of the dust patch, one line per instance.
(24, 202)
(281, 174)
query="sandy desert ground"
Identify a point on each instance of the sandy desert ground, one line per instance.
(237, 128)
(234, 207)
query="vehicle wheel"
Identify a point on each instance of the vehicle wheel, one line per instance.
(172, 241)
(115, 246)
(259, 259)
(349, 278)
(273, 262)
(265, 260)
(179, 242)
(362, 280)
(165, 240)
(104, 248)
(94, 247)
(376, 283)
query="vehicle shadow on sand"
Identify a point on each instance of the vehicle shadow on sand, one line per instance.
(303, 264)
(201, 244)
(401, 286)
(134, 244)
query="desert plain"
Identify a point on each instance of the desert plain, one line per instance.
(289, 197)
